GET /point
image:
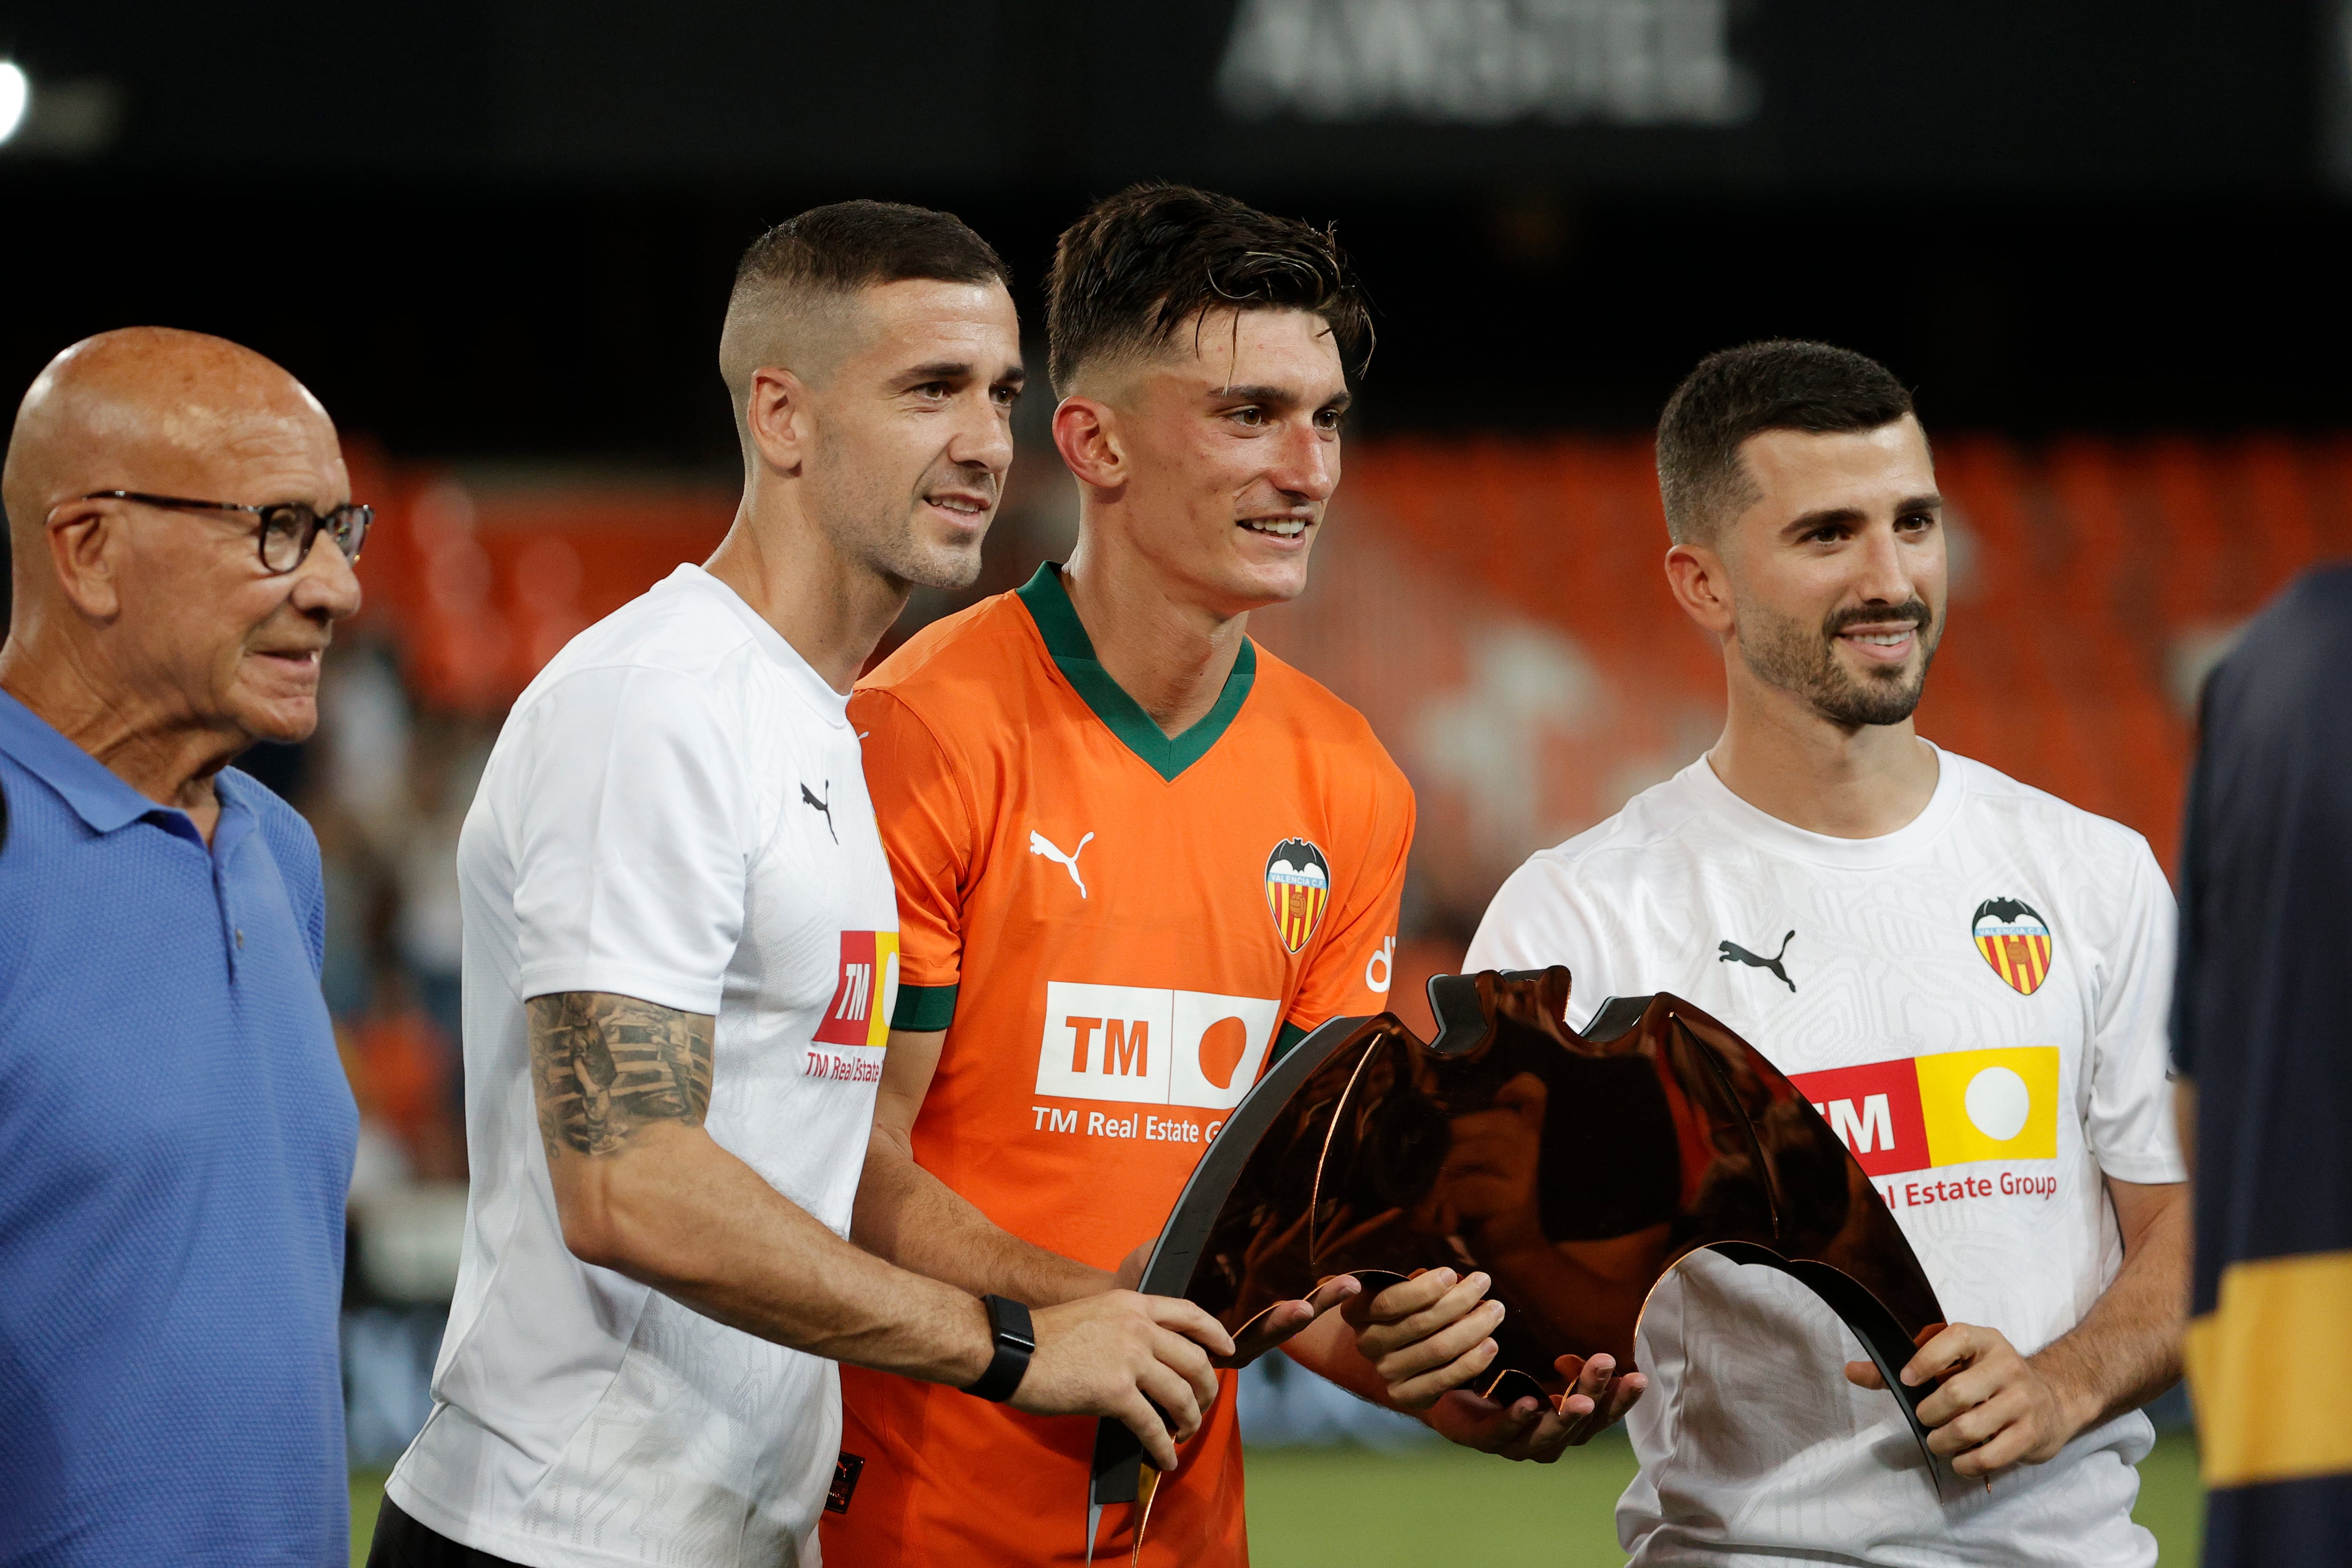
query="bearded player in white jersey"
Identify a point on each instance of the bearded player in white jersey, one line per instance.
(681, 945)
(1968, 977)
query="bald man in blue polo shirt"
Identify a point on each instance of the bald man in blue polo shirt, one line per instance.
(175, 1134)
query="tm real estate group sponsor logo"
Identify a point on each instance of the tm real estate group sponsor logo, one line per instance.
(1922, 1113)
(857, 1019)
(1145, 1048)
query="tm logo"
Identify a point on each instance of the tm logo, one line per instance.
(1870, 1131)
(1917, 1113)
(1147, 1046)
(864, 990)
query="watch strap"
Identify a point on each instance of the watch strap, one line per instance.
(1016, 1340)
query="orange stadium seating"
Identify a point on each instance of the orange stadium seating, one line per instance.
(1497, 610)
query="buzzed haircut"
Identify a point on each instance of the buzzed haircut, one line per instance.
(1782, 384)
(1139, 264)
(778, 312)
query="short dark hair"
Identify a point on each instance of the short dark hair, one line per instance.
(1782, 384)
(777, 310)
(1143, 262)
(855, 244)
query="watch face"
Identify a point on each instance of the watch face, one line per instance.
(1009, 1321)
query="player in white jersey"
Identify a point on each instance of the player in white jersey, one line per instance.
(680, 953)
(1969, 977)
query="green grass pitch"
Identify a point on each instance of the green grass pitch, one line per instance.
(1347, 1507)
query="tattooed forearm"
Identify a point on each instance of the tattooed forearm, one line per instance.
(604, 1066)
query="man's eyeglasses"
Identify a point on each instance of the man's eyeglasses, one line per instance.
(287, 529)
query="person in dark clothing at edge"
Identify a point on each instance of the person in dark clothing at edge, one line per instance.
(2261, 1033)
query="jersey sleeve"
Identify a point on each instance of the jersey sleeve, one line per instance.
(2129, 1121)
(1357, 961)
(632, 828)
(927, 830)
(1538, 919)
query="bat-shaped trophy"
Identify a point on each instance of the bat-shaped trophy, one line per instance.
(1575, 1169)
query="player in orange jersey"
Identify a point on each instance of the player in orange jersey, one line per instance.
(1137, 858)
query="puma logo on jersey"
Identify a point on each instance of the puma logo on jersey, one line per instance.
(1732, 953)
(1041, 845)
(808, 797)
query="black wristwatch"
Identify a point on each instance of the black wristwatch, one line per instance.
(1016, 1340)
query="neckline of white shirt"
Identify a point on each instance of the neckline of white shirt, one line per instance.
(831, 706)
(1908, 842)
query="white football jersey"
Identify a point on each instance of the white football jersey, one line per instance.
(676, 811)
(1976, 1004)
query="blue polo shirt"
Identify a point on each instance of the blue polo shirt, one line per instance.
(175, 1142)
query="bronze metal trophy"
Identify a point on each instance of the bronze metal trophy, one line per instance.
(1575, 1169)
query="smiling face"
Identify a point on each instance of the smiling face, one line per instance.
(1230, 444)
(1836, 569)
(911, 430)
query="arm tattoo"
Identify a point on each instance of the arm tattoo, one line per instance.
(603, 1066)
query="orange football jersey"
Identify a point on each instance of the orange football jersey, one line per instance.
(1118, 932)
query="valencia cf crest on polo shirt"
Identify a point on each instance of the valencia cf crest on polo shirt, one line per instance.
(1297, 887)
(2015, 941)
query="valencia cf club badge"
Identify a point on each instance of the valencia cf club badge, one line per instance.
(1297, 885)
(2015, 941)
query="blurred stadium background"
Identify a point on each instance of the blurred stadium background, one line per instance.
(2105, 243)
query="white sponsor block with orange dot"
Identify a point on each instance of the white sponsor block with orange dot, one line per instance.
(1144, 1045)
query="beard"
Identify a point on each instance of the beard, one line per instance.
(904, 555)
(874, 522)
(1803, 660)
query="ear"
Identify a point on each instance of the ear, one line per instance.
(777, 413)
(1087, 436)
(1696, 574)
(87, 544)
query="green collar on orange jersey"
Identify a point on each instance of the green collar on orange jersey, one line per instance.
(1073, 655)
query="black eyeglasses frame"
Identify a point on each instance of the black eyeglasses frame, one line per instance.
(347, 524)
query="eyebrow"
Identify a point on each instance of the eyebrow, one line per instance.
(961, 370)
(1281, 395)
(1827, 515)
